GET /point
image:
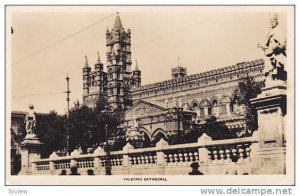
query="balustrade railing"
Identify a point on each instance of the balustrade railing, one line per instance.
(205, 151)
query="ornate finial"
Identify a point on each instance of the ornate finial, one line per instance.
(118, 23)
(98, 58)
(136, 66)
(178, 62)
(86, 62)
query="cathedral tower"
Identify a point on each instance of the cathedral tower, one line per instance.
(178, 71)
(100, 76)
(136, 76)
(86, 72)
(119, 73)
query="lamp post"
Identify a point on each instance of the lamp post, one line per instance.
(107, 111)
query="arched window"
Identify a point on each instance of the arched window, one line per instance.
(118, 73)
(118, 89)
(215, 107)
(195, 106)
(110, 74)
(111, 90)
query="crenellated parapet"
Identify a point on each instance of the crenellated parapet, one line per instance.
(203, 79)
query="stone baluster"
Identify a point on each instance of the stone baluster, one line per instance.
(142, 160)
(139, 161)
(234, 151)
(222, 160)
(180, 159)
(191, 159)
(241, 154)
(175, 159)
(248, 154)
(215, 154)
(134, 160)
(147, 160)
(196, 156)
(155, 160)
(228, 155)
(151, 160)
(185, 155)
(170, 158)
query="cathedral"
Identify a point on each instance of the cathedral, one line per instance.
(165, 107)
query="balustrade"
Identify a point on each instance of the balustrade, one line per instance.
(181, 157)
(62, 164)
(143, 160)
(207, 152)
(42, 166)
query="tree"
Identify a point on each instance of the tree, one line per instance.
(87, 126)
(248, 89)
(51, 131)
(213, 128)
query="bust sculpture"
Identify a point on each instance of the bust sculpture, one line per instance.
(274, 50)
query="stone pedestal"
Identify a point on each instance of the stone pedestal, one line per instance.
(30, 151)
(269, 155)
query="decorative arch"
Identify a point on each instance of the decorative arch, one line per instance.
(225, 99)
(146, 132)
(214, 99)
(159, 132)
(195, 104)
(204, 103)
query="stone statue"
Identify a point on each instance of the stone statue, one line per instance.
(30, 121)
(174, 102)
(275, 51)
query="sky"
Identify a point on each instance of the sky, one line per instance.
(50, 42)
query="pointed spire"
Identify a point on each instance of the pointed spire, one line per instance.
(118, 23)
(136, 66)
(98, 58)
(178, 62)
(86, 62)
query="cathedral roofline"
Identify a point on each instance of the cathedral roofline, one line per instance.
(202, 75)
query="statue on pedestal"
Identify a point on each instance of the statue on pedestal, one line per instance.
(30, 121)
(275, 52)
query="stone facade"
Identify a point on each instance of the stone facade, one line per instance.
(203, 94)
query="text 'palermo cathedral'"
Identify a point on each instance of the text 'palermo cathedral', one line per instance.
(162, 108)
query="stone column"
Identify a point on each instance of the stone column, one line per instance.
(228, 109)
(203, 153)
(160, 155)
(205, 111)
(53, 156)
(126, 161)
(30, 151)
(98, 169)
(271, 111)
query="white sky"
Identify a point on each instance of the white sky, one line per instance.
(204, 38)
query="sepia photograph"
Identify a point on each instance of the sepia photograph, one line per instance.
(150, 95)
